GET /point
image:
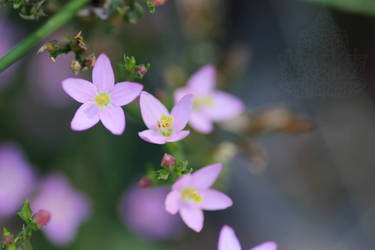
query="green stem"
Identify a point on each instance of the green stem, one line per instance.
(27, 245)
(55, 22)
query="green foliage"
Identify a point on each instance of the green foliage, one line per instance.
(366, 7)
(131, 70)
(27, 9)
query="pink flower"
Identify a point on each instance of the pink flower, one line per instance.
(229, 241)
(191, 194)
(210, 105)
(101, 100)
(164, 127)
(67, 207)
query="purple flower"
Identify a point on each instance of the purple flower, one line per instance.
(164, 127)
(68, 208)
(191, 193)
(101, 100)
(17, 179)
(142, 210)
(210, 105)
(229, 241)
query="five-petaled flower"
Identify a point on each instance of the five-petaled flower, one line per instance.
(210, 105)
(229, 241)
(164, 126)
(191, 194)
(101, 100)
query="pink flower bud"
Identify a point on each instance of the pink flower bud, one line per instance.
(141, 69)
(168, 161)
(42, 217)
(8, 240)
(158, 2)
(145, 182)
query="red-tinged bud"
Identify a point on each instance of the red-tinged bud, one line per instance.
(168, 161)
(158, 2)
(42, 217)
(141, 69)
(8, 240)
(145, 182)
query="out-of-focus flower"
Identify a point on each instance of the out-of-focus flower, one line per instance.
(42, 217)
(191, 194)
(8, 240)
(229, 241)
(145, 182)
(101, 100)
(158, 2)
(68, 208)
(210, 105)
(168, 161)
(17, 179)
(142, 210)
(164, 127)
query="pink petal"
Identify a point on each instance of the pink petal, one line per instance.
(152, 136)
(193, 218)
(182, 182)
(172, 202)
(225, 106)
(178, 136)
(181, 92)
(86, 116)
(200, 123)
(102, 74)
(203, 81)
(266, 246)
(113, 118)
(152, 109)
(206, 176)
(214, 200)
(125, 92)
(228, 239)
(181, 112)
(79, 89)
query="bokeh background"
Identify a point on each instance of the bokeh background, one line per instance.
(310, 189)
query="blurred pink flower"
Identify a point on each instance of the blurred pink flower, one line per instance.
(229, 241)
(17, 179)
(210, 105)
(68, 208)
(101, 100)
(164, 127)
(191, 193)
(142, 210)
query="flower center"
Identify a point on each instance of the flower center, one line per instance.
(102, 99)
(200, 102)
(165, 125)
(191, 194)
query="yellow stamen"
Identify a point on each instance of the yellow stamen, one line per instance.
(165, 125)
(102, 99)
(200, 102)
(191, 194)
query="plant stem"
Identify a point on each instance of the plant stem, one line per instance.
(55, 22)
(27, 245)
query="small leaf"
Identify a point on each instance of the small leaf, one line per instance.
(26, 212)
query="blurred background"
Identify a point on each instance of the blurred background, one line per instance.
(299, 162)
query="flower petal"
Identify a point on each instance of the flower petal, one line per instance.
(113, 118)
(152, 109)
(193, 217)
(225, 106)
(85, 117)
(228, 239)
(125, 92)
(182, 182)
(181, 92)
(102, 74)
(181, 112)
(266, 246)
(200, 123)
(214, 200)
(152, 136)
(79, 89)
(206, 176)
(178, 136)
(172, 202)
(203, 81)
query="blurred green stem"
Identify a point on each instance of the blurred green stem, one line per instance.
(27, 245)
(175, 149)
(55, 22)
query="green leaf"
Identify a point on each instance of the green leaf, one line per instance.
(366, 7)
(26, 212)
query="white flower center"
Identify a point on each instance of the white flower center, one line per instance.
(205, 101)
(165, 125)
(102, 99)
(191, 194)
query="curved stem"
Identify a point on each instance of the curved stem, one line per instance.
(55, 22)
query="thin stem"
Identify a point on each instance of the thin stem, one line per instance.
(27, 245)
(55, 22)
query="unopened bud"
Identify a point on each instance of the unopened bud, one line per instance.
(158, 2)
(168, 161)
(145, 182)
(42, 217)
(75, 66)
(8, 240)
(141, 69)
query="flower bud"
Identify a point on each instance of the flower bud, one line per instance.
(141, 69)
(145, 182)
(158, 2)
(168, 161)
(8, 240)
(75, 66)
(42, 217)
